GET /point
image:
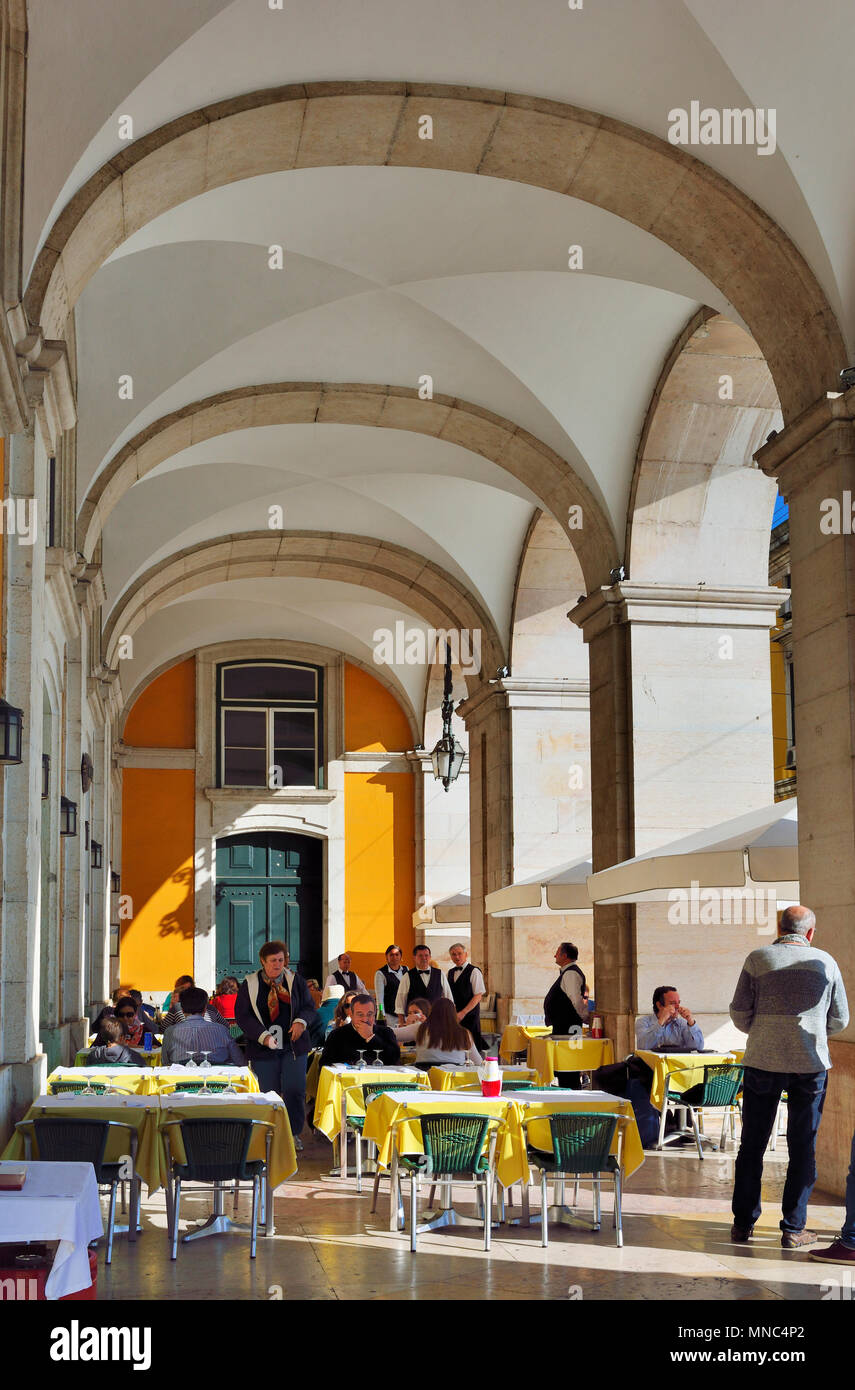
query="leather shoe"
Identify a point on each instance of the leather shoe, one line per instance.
(740, 1235)
(794, 1240)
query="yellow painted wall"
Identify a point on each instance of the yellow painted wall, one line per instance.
(158, 831)
(164, 715)
(379, 828)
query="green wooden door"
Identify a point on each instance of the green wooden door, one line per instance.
(268, 888)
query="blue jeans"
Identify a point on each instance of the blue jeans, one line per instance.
(761, 1093)
(847, 1235)
(286, 1074)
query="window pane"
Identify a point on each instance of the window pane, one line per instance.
(298, 768)
(293, 729)
(245, 767)
(245, 728)
(269, 683)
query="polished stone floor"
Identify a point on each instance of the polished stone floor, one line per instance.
(328, 1246)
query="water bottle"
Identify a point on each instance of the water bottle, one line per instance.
(148, 1039)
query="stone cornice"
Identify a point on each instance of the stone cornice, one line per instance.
(546, 692)
(58, 577)
(672, 605)
(792, 456)
(376, 762)
(129, 755)
(47, 382)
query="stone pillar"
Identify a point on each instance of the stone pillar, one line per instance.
(22, 1071)
(814, 462)
(488, 724)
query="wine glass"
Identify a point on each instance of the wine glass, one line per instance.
(190, 1062)
(205, 1063)
(361, 1063)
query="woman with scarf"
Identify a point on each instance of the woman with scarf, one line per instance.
(274, 1009)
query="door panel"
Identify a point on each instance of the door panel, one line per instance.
(268, 888)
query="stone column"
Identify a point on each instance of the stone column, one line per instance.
(814, 462)
(487, 719)
(22, 1071)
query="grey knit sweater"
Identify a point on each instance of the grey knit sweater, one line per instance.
(788, 999)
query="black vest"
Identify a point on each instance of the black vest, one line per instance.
(462, 991)
(558, 1009)
(346, 978)
(418, 989)
(390, 990)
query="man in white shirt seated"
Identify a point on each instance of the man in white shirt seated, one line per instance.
(670, 1026)
(344, 976)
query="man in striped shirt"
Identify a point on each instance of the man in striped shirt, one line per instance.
(195, 1035)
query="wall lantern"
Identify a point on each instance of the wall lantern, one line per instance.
(87, 773)
(447, 757)
(11, 732)
(96, 855)
(45, 776)
(67, 816)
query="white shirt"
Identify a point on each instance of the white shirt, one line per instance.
(571, 984)
(380, 985)
(404, 990)
(360, 986)
(434, 1056)
(476, 979)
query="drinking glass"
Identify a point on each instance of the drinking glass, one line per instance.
(190, 1062)
(205, 1056)
(361, 1063)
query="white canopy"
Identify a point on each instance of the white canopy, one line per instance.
(456, 908)
(562, 889)
(760, 848)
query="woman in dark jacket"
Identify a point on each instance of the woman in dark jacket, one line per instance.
(274, 1010)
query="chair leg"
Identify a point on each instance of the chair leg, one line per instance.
(111, 1223)
(357, 1139)
(431, 1196)
(724, 1119)
(376, 1190)
(618, 1211)
(526, 1202)
(488, 1209)
(544, 1210)
(576, 1193)
(124, 1200)
(176, 1210)
(773, 1142)
(237, 1194)
(414, 1194)
(694, 1119)
(253, 1238)
(596, 1201)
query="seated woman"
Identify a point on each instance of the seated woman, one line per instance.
(442, 1040)
(418, 1011)
(110, 1047)
(134, 1026)
(341, 1017)
(225, 998)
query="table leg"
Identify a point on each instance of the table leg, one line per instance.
(269, 1228)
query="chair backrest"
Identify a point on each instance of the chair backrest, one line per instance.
(235, 1031)
(192, 1087)
(582, 1141)
(721, 1085)
(378, 1088)
(453, 1143)
(62, 1139)
(58, 1087)
(216, 1150)
(516, 1086)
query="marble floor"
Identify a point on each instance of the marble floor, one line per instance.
(328, 1246)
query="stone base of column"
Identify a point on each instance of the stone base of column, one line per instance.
(20, 1083)
(834, 1143)
(621, 1029)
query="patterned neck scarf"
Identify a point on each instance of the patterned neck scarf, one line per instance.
(278, 994)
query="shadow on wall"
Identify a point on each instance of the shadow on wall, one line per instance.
(171, 923)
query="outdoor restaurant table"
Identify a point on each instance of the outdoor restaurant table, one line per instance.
(165, 1079)
(135, 1081)
(549, 1055)
(138, 1111)
(152, 1056)
(58, 1202)
(338, 1080)
(450, 1078)
(517, 1037)
(511, 1161)
(691, 1064)
(266, 1105)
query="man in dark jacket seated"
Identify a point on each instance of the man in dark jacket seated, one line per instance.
(362, 1034)
(274, 1010)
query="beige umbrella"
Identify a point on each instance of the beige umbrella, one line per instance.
(562, 889)
(759, 850)
(456, 908)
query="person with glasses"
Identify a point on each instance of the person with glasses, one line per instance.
(109, 1048)
(133, 1027)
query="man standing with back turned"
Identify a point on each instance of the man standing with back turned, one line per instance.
(789, 999)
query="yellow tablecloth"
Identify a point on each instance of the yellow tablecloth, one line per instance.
(166, 1079)
(141, 1112)
(333, 1083)
(516, 1038)
(586, 1054)
(511, 1161)
(690, 1064)
(447, 1080)
(134, 1081)
(313, 1076)
(283, 1156)
(152, 1057)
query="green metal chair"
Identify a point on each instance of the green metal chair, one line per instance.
(356, 1123)
(719, 1089)
(453, 1150)
(61, 1139)
(581, 1148)
(98, 1088)
(215, 1153)
(192, 1088)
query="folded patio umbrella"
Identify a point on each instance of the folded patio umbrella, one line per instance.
(456, 908)
(562, 889)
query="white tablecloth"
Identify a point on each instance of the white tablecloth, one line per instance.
(59, 1201)
(197, 1102)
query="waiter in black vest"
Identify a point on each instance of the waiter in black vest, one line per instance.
(468, 989)
(564, 1006)
(424, 981)
(387, 981)
(344, 976)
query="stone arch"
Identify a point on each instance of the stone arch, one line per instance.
(700, 511)
(548, 144)
(393, 570)
(549, 580)
(384, 407)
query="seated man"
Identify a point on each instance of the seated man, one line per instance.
(110, 1047)
(196, 1034)
(671, 1025)
(175, 1012)
(362, 1034)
